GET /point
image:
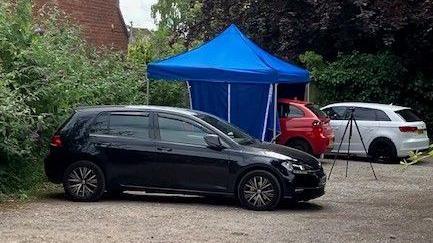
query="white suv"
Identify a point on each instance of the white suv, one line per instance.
(388, 131)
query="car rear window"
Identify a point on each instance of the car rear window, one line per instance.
(316, 110)
(408, 115)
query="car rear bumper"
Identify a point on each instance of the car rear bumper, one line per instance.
(323, 145)
(53, 169)
(413, 145)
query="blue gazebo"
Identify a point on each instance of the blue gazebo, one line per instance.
(231, 77)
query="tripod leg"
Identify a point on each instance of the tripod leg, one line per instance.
(365, 149)
(338, 150)
(348, 146)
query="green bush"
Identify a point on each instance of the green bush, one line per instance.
(42, 78)
(365, 77)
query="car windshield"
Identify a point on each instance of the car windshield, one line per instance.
(230, 130)
(409, 115)
(316, 110)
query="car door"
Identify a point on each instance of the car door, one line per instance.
(338, 122)
(184, 160)
(126, 142)
(366, 120)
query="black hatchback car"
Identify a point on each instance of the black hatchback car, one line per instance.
(173, 150)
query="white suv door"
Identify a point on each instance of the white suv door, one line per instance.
(367, 123)
(338, 123)
(366, 120)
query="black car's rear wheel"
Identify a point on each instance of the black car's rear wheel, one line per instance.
(259, 190)
(84, 181)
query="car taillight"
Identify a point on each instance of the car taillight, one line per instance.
(317, 123)
(56, 141)
(408, 129)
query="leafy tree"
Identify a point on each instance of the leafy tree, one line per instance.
(177, 17)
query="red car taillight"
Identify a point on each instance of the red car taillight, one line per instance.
(56, 141)
(408, 129)
(317, 123)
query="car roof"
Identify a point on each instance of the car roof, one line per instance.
(120, 108)
(369, 105)
(285, 100)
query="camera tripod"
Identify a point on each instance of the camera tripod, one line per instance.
(349, 126)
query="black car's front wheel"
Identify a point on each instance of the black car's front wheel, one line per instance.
(259, 190)
(84, 181)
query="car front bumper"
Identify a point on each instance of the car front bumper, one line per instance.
(305, 194)
(306, 185)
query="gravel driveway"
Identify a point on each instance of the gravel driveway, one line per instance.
(397, 207)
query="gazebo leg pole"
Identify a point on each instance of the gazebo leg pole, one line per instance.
(265, 122)
(147, 89)
(189, 94)
(274, 135)
(228, 102)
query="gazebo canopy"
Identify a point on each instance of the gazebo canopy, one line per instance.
(230, 58)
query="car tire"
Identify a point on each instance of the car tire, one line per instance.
(84, 181)
(300, 144)
(383, 150)
(259, 190)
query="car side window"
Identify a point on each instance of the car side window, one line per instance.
(336, 112)
(129, 125)
(289, 111)
(364, 114)
(100, 124)
(295, 112)
(283, 110)
(172, 129)
(381, 116)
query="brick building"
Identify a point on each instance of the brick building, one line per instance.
(101, 20)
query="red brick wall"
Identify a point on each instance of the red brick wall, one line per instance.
(101, 20)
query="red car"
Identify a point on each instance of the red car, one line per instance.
(304, 127)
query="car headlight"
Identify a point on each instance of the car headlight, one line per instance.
(299, 167)
(288, 163)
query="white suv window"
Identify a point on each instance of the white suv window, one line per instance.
(336, 112)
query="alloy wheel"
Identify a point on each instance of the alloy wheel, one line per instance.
(259, 191)
(82, 182)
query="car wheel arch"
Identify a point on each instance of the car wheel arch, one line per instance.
(382, 139)
(84, 157)
(254, 167)
(299, 138)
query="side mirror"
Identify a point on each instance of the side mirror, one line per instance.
(213, 141)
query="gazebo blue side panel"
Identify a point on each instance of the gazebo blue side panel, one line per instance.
(250, 116)
(209, 97)
(248, 107)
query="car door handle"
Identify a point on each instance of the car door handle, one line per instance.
(103, 145)
(164, 149)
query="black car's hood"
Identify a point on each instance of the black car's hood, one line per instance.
(303, 158)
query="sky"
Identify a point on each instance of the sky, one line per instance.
(138, 11)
